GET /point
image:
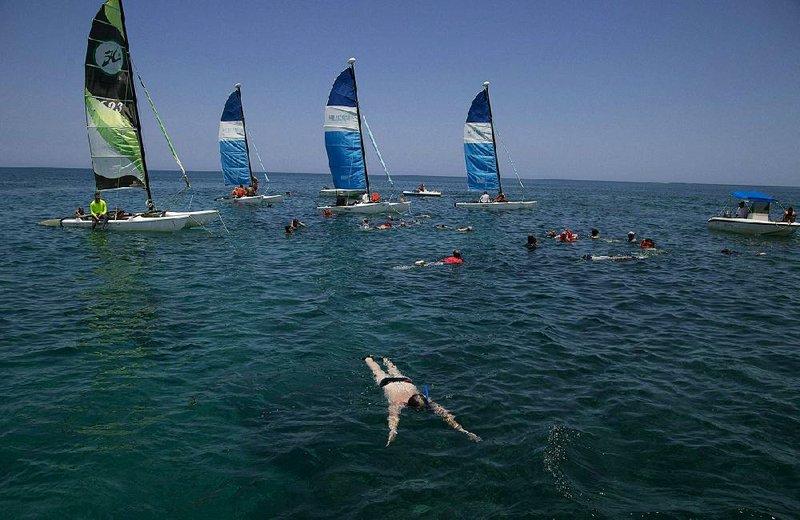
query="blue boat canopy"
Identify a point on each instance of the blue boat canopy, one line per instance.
(753, 196)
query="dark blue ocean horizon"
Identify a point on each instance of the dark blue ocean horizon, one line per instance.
(217, 373)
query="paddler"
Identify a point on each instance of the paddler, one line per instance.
(401, 392)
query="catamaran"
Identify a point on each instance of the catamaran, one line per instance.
(234, 152)
(115, 134)
(344, 144)
(480, 154)
(751, 217)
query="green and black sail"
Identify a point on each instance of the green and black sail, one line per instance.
(112, 117)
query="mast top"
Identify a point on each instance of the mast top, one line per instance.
(237, 86)
(351, 61)
(485, 84)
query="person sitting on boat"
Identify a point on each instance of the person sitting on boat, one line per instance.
(249, 191)
(364, 197)
(500, 197)
(631, 236)
(120, 214)
(79, 213)
(455, 259)
(421, 188)
(647, 244)
(485, 198)
(254, 185)
(531, 245)
(401, 392)
(790, 215)
(238, 192)
(376, 197)
(99, 210)
(742, 211)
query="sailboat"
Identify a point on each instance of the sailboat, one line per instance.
(480, 154)
(234, 151)
(115, 134)
(344, 144)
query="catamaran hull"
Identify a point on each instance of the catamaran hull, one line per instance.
(368, 208)
(254, 200)
(330, 192)
(425, 193)
(135, 223)
(497, 206)
(745, 226)
(196, 218)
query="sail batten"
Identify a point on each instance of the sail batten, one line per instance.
(112, 119)
(480, 153)
(343, 140)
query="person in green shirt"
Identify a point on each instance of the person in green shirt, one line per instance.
(98, 210)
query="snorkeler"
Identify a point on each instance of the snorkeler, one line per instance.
(401, 392)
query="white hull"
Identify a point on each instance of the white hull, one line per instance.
(255, 199)
(368, 208)
(135, 223)
(425, 193)
(745, 226)
(195, 218)
(497, 206)
(331, 192)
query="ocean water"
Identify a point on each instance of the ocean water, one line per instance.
(217, 373)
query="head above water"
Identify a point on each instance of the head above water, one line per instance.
(595, 232)
(457, 253)
(417, 401)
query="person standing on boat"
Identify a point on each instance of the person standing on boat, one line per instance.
(401, 392)
(742, 211)
(485, 198)
(99, 210)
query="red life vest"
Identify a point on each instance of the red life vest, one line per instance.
(234, 193)
(452, 260)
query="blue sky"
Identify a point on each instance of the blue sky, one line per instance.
(683, 91)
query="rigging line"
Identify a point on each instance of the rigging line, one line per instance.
(163, 130)
(510, 160)
(378, 152)
(258, 155)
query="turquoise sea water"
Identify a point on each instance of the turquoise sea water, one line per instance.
(205, 374)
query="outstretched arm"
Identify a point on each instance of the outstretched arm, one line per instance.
(376, 369)
(451, 421)
(394, 421)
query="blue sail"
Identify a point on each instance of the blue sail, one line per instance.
(479, 150)
(232, 143)
(343, 136)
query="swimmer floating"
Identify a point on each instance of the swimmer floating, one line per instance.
(401, 392)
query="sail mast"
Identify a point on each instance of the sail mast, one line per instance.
(136, 112)
(244, 128)
(494, 143)
(352, 62)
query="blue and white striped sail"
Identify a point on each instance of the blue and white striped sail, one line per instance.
(343, 136)
(233, 151)
(479, 150)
